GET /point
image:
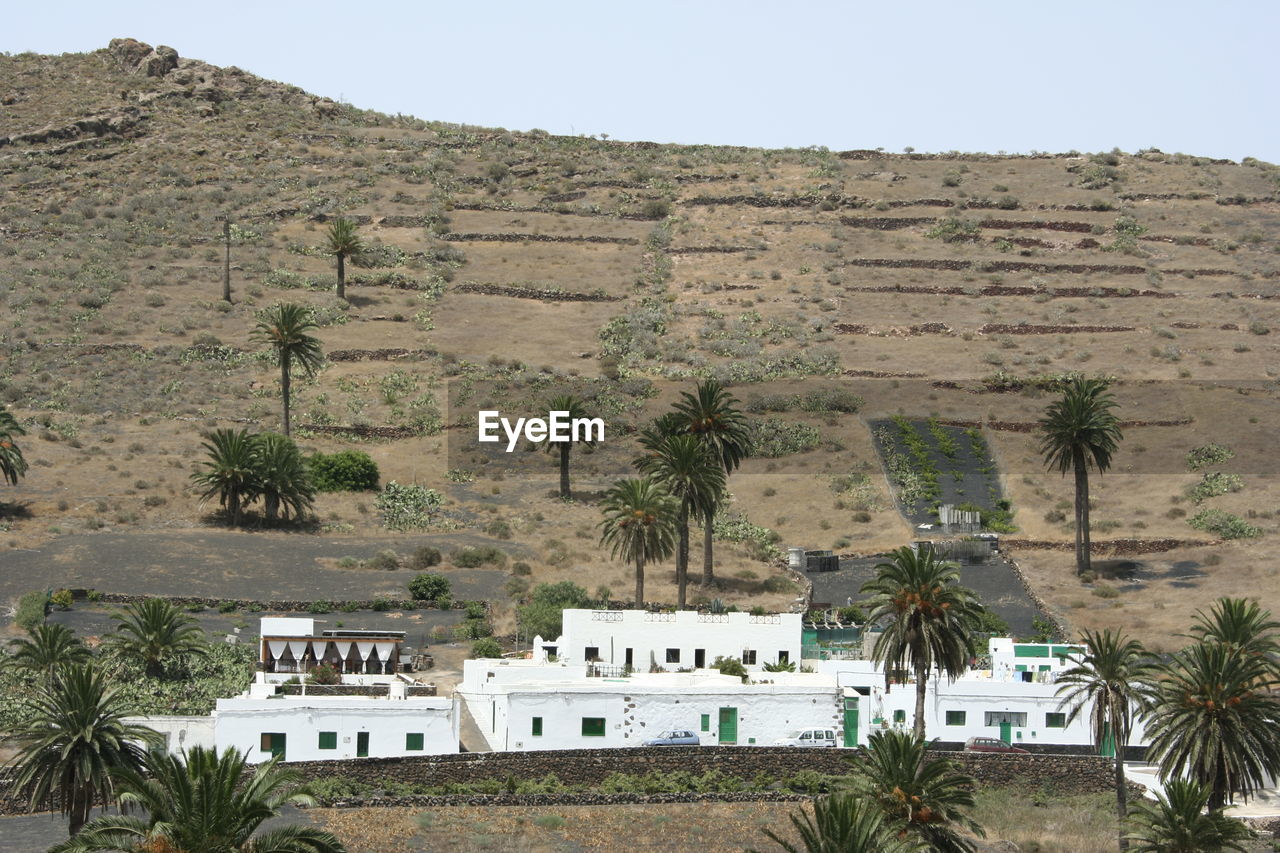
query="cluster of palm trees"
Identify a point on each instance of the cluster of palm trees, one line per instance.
(242, 467)
(76, 749)
(688, 456)
(1211, 711)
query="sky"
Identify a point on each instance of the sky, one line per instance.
(1196, 78)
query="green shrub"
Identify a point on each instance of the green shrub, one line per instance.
(543, 614)
(61, 599)
(320, 606)
(953, 230)
(778, 583)
(408, 507)
(1213, 484)
(31, 609)
(471, 629)
(477, 556)
(498, 529)
(1208, 454)
(486, 647)
(522, 568)
(381, 604)
(384, 560)
(428, 587)
(344, 471)
(990, 623)
(476, 610)
(324, 674)
(655, 208)
(228, 607)
(772, 437)
(1223, 524)
(731, 666)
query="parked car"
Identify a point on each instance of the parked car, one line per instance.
(808, 737)
(676, 737)
(991, 744)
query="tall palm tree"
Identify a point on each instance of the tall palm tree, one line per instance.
(1178, 823)
(928, 798)
(152, 630)
(639, 525)
(709, 413)
(843, 823)
(285, 327)
(231, 471)
(929, 619)
(1078, 431)
(576, 409)
(682, 463)
(1112, 679)
(343, 243)
(48, 646)
(75, 738)
(12, 463)
(1216, 719)
(1242, 624)
(203, 802)
(283, 477)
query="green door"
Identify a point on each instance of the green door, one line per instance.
(362, 744)
(728, 725)
(1108, 745)
(851, 722)
(1006, 731)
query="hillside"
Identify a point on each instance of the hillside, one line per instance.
(926, 285)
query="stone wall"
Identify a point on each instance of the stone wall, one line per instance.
(1065, 773)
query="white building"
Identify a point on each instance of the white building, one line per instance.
(534, 705)
(291, 646)
(313, 727)
(179, 732)
(683, 640)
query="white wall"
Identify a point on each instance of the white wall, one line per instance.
(240, 723)
(179, 732)
(639, 708)
(650, 635)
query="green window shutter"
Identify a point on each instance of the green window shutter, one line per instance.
(899, 716)
(955, 718)
(328, 740)
(537, 727)
(1055, 721)
(1036, 651)
(593, 726)
(706, 722)
(413, 742)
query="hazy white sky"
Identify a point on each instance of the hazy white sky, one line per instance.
(1200, 78)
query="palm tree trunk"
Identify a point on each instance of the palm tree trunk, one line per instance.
(233, 504)
(922, 684)
(564, 471)
(78, 810)
(708, 554)
(342, 277)
(682, 555)
(640, 582)
(1122, 804)
(1083, 561)
(284, 389)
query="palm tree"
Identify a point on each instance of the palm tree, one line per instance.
(576, 409)
(1078, 431)
(1111, 678)
(283, 477)
(343, 243)
(152, 630)
(1178, 823)
(284, 327)
(929, 619)
(682, 464)
(231, 471)
(50, 646)
(709, 413)
(843, 823)
(203, 802)
(1242, 624)
(639, 525)
(12, 463)
(928, 798)
(1216, 719)
(75, 738)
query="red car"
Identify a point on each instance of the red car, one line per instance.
(991, 744)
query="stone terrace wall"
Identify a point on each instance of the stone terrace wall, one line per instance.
(1066, 773)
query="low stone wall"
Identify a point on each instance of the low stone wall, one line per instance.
(1065, 773)
(284, 605)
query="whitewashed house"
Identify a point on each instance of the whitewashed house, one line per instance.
(683, 640)
(522, 705)
(290, 647)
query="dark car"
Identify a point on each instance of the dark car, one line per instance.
(991, 744)
(677, 737)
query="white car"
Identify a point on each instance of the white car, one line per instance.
(808, 737)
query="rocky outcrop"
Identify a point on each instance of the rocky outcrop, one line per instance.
(139, 57)
(118, 123)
